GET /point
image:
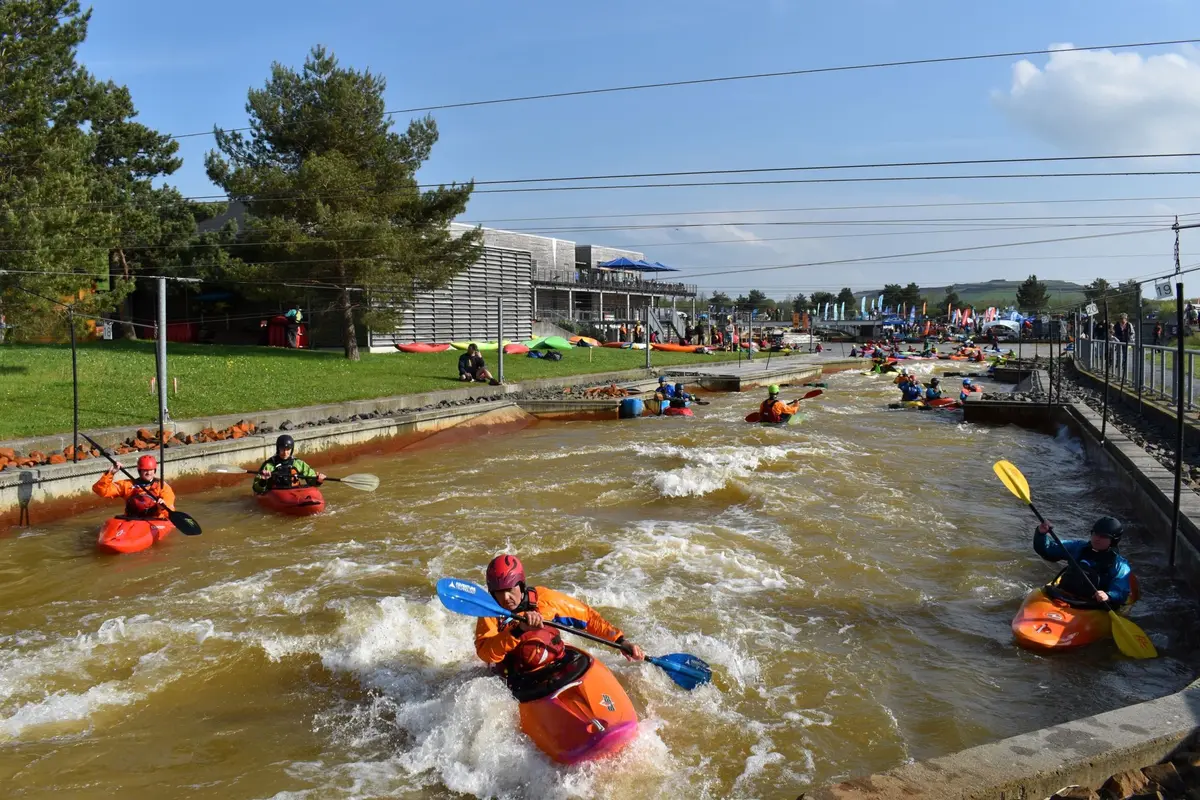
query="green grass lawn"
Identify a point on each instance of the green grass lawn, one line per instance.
(114, 379)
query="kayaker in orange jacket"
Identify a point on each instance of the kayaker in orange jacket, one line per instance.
(773, 409)
(141, 496)
(496, 639)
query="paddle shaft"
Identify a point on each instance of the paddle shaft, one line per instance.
(1070, 557)
(104, 453)
(577, 632)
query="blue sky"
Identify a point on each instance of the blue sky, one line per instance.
(189, 66)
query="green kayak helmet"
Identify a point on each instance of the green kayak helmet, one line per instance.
(773, 389)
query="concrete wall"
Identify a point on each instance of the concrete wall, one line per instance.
(1086, 751)
(64, 489)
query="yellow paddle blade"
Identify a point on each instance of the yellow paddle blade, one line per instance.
(1131, 640)
(1011, 477)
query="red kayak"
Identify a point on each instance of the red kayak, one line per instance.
(299, 502)
(125, 535)
(586, 718)
(671, 411)
(422, 347)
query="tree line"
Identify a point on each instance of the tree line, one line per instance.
(329, 189)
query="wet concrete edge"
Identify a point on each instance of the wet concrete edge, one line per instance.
(1086, 751)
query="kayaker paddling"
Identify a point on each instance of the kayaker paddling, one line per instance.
(521, 643)
(283, 471)
(1106, 568)
(146, 497)
(775, 410)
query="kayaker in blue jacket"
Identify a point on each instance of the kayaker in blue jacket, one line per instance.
(680, 394)
(665, 391)
(1107, 569)
(934, 391)
(910, 390)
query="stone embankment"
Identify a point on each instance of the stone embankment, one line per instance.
(146, 439)
(1176, 778)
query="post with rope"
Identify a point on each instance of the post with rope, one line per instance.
(500, 339)
(1139, 348)
(1050, 363)
(647, 336)
(1179, 427)
(74, 387)
(160, 353)
(1104, 414)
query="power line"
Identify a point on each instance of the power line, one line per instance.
(831, 208)
(753, 76)
(834, 167)
(876, 179)
(866, 259)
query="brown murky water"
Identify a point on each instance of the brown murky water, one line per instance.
(851, 580)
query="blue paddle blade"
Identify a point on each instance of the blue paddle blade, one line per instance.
(685, 669)
(471, 599)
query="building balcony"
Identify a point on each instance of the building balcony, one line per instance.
(609, 282)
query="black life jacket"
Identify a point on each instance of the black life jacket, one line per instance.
(767, 411)
(284, 474)
(1097, 566)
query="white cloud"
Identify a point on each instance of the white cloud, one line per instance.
(1101, 102)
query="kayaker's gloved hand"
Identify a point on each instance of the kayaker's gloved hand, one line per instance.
(264, 474)
(1045, 527)
(633, 652)
(529, 621)
(320, 478)
(1101, 597)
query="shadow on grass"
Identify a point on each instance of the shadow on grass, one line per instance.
(6, 370)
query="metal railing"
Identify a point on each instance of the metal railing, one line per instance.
(1144, 368)
(608, 282)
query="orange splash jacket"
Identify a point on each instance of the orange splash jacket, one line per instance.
(107, 487)
(495, 637)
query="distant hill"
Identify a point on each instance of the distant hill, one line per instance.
(997, 293)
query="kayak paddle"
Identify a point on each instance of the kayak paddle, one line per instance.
(1131, 639)
(186, 523)
(757, 416)
(363, 481)
(472, 600)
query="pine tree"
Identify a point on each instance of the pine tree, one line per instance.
(330, 188)
(1032, 295)
(54, 235)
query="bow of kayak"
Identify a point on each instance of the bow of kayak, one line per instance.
(299, 502)
(1048, 623)
(124, 535)
(588, 718)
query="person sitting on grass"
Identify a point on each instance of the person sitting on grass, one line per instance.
(471, 366)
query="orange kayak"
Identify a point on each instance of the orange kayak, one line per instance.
(299, 502)
(668, 347)
(1049, 623)
(124, 535)
(587, 718)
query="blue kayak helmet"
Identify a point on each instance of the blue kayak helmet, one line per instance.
(966, 381)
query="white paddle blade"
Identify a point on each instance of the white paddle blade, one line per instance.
(363, 481)
(229, 468)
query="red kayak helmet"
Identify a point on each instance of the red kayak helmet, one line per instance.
(147, 462)
(537, 649)
(504, 572)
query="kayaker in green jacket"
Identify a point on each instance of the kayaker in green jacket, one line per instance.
(282, 471)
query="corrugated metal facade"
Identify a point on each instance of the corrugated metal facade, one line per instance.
(465, 310)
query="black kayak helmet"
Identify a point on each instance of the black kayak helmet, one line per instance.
(285, 442)
(1109, 528)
